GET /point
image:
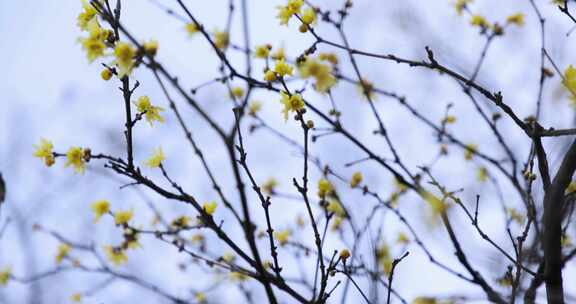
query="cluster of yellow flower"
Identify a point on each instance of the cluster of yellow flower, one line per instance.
(292, 103)
(322, 73)
(480, 21)
(569, 81)
(5, 276)
(151, 112)
(99, 39)
(75, 156)
(282, 236)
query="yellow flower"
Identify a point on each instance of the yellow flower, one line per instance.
(86, 15)
(293, 103)
(124, 54)
(402, 238)
(309, 16)
(5, 276)
(100, 208)
(76, 158)
(438, 206)
(229, 257)
(324, 188)
(356, 179)
(322, 73)
(384, 258)
(210, 207)
(282, 68)
(335, 207)
(330, 57)
(156, 159)
(269, 75)
(197, 238)
(270, 185)
(191, 28)
(44, 151)
(482, 174)
(237, 92)
(569, 80)
(460, 5)
(282, 236)
(76, 298)
(106, 74)
(344, 254)
(238, 276)
(200, 297)
(336, 223)
(151, 47)
(262, 51)
(279, 54)
(181, 222)
(151, 112)
(477, 20)
(123, 217)
(450, 119)
(471, 149)
(517, 19)
(63, 251)
(95, 43)
(254, 107)
(291, 8)
(221, 39)
(115, 255)
(424, 300)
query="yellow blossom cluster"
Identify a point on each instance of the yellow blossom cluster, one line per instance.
(356, 179)
(63, 251)
(291, 103)
(156, 158)
(282, 236)
(324, 188)
(150, 111)
(290, 9)
(5, 276)
(210, 207)
(44, 151)
(569, 81)
(322, 73)
(116, 255)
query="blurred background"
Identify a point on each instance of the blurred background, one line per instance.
(49, 90)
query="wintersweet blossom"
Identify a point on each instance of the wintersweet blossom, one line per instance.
(150, 111)
(63, 251)
(282, 236)
(292, 103)
(221, 39)
(282, 68)
(124, 54)
(262, 51)
(356, 179)
(75, 157)
(156, 159)
(44, 151)
(115, 255)
(324, 188)
(5, 276)
(517, 19)
(123, 217)
(100, 208)
(210, 207)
